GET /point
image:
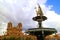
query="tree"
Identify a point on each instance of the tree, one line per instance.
(20, 38)
(12, 38)
(29, 38)
(4, 38)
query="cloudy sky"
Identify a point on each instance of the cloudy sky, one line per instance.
(23, 11)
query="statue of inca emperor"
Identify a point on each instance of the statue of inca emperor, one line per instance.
(39, 11)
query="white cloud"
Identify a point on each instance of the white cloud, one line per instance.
(53, 20)
(23, 11)
(3, 27)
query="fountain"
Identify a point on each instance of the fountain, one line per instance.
(40, 32)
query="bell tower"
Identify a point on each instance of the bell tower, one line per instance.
(19, 26)
(9, 26)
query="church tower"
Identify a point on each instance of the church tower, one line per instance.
(19, 26)
(9, 26)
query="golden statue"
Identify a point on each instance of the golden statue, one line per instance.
(39, 11)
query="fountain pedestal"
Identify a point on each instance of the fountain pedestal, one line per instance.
(40, 32)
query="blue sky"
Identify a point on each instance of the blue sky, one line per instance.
(23, 11)
(56, 5)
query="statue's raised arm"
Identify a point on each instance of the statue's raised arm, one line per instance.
(39, 11)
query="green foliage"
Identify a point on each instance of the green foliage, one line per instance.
(4, 38)
(11, 38)
(18, 38)
(29, 38)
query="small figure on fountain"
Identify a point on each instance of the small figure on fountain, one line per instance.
(39, 11)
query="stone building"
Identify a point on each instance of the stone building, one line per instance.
(16, 32)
